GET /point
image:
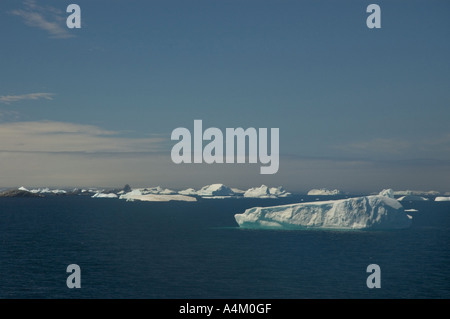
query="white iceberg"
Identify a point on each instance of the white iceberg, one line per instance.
(279, 192)
(442, 199)
(58, 191)
(324, 191)
(237, 191)
(103, 195)
(21, 188)
(387, 192)
(215, 190)
(158, 190)
(259, 192)
(369, 212)
(416, 193)
(412, 198)
(265, 192)
(189, 191)
(47, 190)
(138, 194)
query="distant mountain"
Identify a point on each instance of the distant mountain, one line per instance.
(18, 193)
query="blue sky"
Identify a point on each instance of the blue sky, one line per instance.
(358, 108)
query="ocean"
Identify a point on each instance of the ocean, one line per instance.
(194, 250)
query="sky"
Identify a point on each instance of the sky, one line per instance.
(357, 109)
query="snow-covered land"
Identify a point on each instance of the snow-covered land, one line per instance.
(45, 190)
(213, 191)
(324, 191)
(368, 212)
(442, 199)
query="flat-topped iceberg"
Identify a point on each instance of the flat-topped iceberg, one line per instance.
(442, 199)
(150, 196)
(368, 212)
(104, 195)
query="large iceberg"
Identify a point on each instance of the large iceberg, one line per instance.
(368, 212)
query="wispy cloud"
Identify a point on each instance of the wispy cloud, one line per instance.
(30, 96)
(63, 137)
(430, 147)
(378, 145)
(46, 18)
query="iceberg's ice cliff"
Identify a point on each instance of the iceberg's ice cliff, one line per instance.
(369, 212)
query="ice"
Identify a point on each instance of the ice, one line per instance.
(158, 190)
(189, 191)
(259, 192)
(47, 190)
(416, 193)
(368, 212)
(387, 192)
(265, 192)
(215, 190)
(412, 198)
(279, 192)
(103, 195)
(324, 191)
(442, 199)
(146, 195)
(237, 191)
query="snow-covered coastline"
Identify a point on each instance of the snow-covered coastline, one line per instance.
(160, 194)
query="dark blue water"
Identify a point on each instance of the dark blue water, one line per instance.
(196, 250)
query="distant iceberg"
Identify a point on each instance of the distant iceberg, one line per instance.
(45, 190)
(442, 199)
(324, 191)
(215, 190)
(265, 192)
(189, 191)
(416, 193)
(368, 212)
(147, 195)
(158, 190)
(103, 195)
(412, 198)
(158, 193)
